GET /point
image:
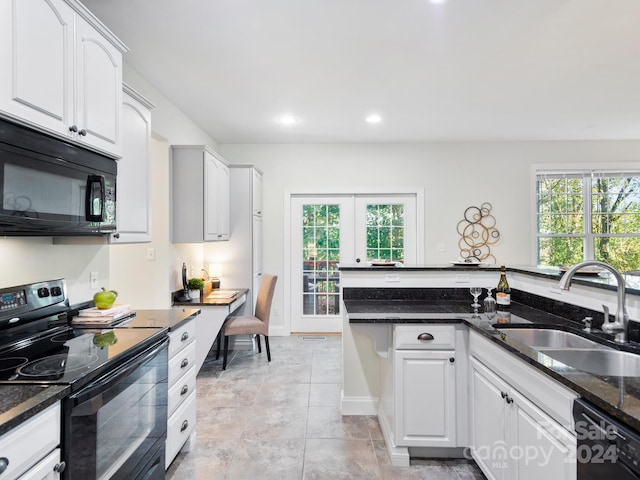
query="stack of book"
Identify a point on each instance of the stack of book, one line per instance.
(99, 317)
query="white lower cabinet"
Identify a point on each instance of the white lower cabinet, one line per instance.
(30, 451)
(418, 405)
(425, 398)
(181, 405)
(517, 435)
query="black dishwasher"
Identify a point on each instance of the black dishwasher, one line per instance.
(606, 449)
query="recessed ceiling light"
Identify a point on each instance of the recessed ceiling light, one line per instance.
(374, 118)
(287, 120)
(438, 2)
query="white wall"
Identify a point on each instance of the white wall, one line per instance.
(454, 176)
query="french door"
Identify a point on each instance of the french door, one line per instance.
(333, 229)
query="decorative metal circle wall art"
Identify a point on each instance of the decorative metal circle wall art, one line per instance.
(478, 232)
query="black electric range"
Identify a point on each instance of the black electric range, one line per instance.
(38, 345)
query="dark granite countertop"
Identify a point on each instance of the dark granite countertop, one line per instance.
(220, 301)
(21, 402)
(618, 396)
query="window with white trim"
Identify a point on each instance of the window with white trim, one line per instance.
(588, 215)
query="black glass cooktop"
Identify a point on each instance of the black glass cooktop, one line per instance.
(64, 355)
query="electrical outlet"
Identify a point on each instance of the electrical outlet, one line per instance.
(151, 253)
(93, 280)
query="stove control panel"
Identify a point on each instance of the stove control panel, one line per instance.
(23, 302)
(11, 300)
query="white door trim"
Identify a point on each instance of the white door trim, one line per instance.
(291, 191)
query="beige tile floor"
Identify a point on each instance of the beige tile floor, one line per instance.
(281, 420)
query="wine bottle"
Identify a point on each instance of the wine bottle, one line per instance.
(503, 292)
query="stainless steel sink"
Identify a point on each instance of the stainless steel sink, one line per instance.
(599, 361)
(548, 338)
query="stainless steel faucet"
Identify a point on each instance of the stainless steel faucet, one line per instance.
(621, 326)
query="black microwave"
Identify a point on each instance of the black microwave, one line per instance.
(52, 187)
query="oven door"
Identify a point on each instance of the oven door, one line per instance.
(115, 427)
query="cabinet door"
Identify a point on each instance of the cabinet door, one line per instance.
(37, 85)
(545, 449)
(98, 90)
(216, 199)
(134, 170)
(425, 398)
(256, 198)
(489, 417)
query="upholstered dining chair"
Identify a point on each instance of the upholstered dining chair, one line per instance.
(256, 325)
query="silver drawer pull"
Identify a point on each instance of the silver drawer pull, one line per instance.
(185, 336)
(184, 426)
(4, 463)
(184, 390)
(184, 363)
(425, 336)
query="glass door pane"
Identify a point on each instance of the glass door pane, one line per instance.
(320, 254)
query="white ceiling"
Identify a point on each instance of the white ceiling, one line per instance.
(463, 70)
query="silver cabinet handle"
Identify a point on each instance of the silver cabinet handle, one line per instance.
(425, 336)
(184, 363)
(184, 426)
(184, 390)
(185, 337)
(4, 463)
(59, 468)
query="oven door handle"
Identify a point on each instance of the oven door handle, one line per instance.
(107, 381)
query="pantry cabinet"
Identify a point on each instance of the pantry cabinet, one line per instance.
(199, 195)
(242, 266)
(517, 434)
(133, 214)
(64, 72)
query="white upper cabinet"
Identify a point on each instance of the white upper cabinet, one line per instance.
(216, 199)
(257, 192)
(134, 171)
(199, 195)
(63, 72)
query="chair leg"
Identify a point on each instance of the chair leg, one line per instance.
(218, 340)
(226, 347)
(259, 344)
(266, 342)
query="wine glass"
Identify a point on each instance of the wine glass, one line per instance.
(490, 305)
(476, 292)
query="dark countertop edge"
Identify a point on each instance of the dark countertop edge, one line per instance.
(25, 408)
(549, 273)
(523, 352)
(222, 302)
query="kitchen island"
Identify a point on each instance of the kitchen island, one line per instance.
(382, 304)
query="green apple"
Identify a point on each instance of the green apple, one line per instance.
(105, 299)
(104, 339)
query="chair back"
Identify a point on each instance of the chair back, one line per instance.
(265, 296)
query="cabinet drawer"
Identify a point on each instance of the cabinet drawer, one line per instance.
(179, 426)
(436, 337)
(181, 363)
(181, 390)
(181, 337)
(31, 441)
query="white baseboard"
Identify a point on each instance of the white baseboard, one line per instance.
(359, 406)
(278, 331)
(399, 456)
